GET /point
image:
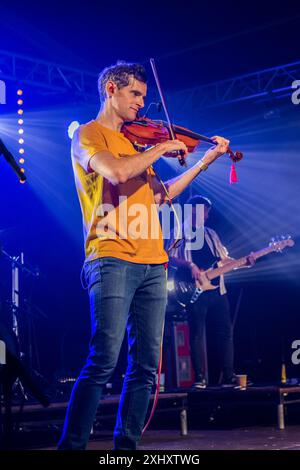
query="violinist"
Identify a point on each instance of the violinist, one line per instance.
(124, 269)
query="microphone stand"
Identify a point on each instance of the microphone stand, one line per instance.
(17, 267)
(11, 161)
(16, 376)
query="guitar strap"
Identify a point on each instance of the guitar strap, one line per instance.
(215, 253)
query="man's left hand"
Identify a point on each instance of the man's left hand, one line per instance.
(213, 153)
(250, 260)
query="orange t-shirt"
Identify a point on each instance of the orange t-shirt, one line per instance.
(118, 220)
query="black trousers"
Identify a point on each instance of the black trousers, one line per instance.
(217, 307)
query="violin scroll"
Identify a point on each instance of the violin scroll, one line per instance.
(235, 156)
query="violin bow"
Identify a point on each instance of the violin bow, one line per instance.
(164, 105)
(235, 157)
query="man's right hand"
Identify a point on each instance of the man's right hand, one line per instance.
(196, 272)
(170, 147)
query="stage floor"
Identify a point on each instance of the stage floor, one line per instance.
(210, 419)
(250, 438)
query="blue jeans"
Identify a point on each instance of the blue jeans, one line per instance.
(122, 294)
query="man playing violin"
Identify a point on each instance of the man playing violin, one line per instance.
(124, 264)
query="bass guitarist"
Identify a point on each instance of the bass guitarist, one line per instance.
(213, 303)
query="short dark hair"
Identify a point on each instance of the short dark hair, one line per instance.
(120, 74)
(199, 200)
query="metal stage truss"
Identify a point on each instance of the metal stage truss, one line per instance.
(275, 82)
(269, 84)
(48, 76)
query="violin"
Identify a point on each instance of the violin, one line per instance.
(144, 132)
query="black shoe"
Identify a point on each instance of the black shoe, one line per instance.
(199, 384)
(230, 382)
